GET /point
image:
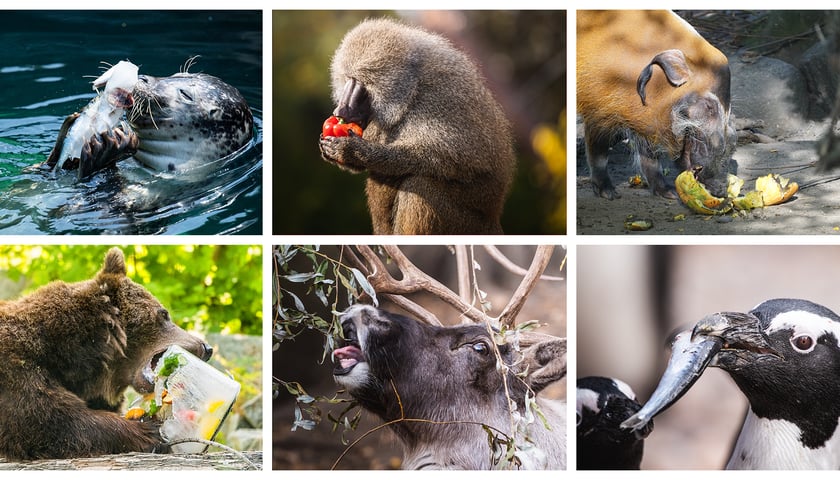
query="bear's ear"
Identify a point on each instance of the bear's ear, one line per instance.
(114, 262)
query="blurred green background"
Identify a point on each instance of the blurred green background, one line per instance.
(522, 55)
(206, 288)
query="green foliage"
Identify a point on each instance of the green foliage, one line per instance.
(208, 288)
(328, 281)
(308, 409)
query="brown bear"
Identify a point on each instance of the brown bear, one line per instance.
(69, 351)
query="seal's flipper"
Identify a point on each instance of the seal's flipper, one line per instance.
(105, 150)
(52, 159)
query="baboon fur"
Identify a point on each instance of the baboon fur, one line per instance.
(436, 145)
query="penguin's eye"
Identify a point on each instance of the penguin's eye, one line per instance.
(803, 343)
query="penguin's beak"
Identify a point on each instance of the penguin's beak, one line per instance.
(729, 340)
(743, 342)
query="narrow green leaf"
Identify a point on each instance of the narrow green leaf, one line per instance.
(366, 286)
(300, 277)
(298, 302)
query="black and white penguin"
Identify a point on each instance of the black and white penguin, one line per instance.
(793, 388)
(602, 404)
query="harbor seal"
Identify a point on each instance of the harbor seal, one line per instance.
(188, 119)
(181, 123)
(94, 138)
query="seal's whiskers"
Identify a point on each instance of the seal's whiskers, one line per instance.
(189, 63)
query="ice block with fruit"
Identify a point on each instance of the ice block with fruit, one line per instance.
(191, 399)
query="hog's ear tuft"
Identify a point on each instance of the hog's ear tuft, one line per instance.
(114, 262)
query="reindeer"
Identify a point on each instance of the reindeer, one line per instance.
(443, 389)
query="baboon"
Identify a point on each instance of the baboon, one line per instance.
(436, 145)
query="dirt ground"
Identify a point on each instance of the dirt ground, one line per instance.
(815, 209)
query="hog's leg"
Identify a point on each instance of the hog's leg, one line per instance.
(597, 155)
(652, 171)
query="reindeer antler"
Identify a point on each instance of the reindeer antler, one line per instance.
(504, 261)
(415, 280)
(384, 284)
(514, 306)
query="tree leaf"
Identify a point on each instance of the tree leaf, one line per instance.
(348, 283)
(300, 277)
(322, 296)
(298, 302)
(366, 286)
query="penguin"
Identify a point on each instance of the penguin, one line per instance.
(784, 356)
(793, 387)
(602, 405)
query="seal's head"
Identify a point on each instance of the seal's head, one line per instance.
(188, 119)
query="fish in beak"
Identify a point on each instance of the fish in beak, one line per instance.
(728, 340)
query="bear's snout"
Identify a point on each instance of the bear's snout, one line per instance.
(104, 335)
(206, 351)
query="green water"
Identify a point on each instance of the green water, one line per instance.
(48, 62)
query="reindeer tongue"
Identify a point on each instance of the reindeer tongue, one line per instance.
(347, 358)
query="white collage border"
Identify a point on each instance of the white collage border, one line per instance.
(266, 240)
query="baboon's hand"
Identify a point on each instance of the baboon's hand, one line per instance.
(343, 151)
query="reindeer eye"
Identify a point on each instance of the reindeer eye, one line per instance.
(803, 343)
(481, 348)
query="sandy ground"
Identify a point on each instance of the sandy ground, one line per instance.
(815, 209)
